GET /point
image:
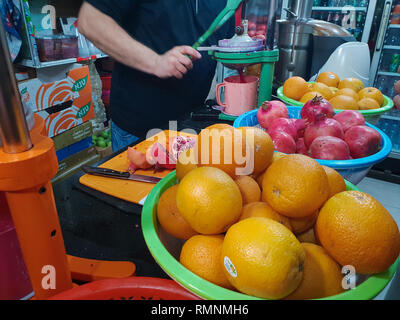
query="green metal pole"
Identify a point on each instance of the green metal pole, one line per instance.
(266, 80)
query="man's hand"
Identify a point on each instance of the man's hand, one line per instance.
(175, 62)
(110, 38)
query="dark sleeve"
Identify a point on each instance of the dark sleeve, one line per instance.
(230, 28)
(116, 9)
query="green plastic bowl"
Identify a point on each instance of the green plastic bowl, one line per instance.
(371, 116)
(166, 249)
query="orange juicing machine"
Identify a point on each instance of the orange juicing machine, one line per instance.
(28, 162)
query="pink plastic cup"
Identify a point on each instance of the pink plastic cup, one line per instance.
(240, 94)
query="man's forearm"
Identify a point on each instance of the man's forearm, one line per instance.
(110, 38)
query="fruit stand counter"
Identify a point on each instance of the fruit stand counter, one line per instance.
(98, 226)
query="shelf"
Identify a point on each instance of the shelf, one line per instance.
(31, 64)
(395, 154)
(391, 47)
(347, 8)
(390, 117)
(390, 74)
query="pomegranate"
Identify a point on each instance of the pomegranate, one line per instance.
(283, 125)
(397, 87)
(350, 118)
(396, 101)
(161, 158)
(325, 127)
(301, 147)
(137, 160)
(317, 109)
(329, 148)
(363, 141)
(301, 127)
(283, 142)
(271, 110)
(180, 144)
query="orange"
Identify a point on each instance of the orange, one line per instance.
(372, 93)
(209, 200)
(170, 218)
(254, 70)
(217, 145)
(262, 258)
(295, 88)
(249, 189)
(322, 88)
(202, 255)
(308, 236)
(334, 90)
(295, 186)
(368, 104)
(310, 95)
(263, 210)
(331, 79)
(343, 102)
(352, 83)
(347, 92)
(186, 163)
(260, 179)
(357, 230)
(276, 156)
(259, 149)
(336, 181)
(301, 225)
(322, 276)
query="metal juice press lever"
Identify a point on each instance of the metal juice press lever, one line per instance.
(224, 16)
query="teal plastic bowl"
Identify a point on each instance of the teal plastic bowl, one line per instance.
(166, 249)
(351, 170)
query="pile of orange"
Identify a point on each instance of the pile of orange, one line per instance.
(282, 231)
(343, 94)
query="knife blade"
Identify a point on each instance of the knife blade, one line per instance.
(109, 173)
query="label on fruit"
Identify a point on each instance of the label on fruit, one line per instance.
(230, 267)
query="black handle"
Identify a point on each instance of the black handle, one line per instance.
(104, 172)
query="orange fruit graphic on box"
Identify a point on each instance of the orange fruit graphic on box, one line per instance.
(59, 122)
(55, 93)
(63, 104)
(41, 95)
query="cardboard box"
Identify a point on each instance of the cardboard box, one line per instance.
(75, 169)
(63, 104)
(56, 123)
(40, 95)
(104, 152)
(74, 148)
(73, 135)
(73, 163)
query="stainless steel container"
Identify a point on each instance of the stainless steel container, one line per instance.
(295, 41)
(295, 50)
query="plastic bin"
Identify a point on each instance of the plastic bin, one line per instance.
(106, 82)
(57, 47)
(165, 250)
(14, 279)
(371, 116)
(134, 288)
(352, 170)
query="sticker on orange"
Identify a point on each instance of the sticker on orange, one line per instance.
(230, 267)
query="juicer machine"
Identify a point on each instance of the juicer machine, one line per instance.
(241, 50)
